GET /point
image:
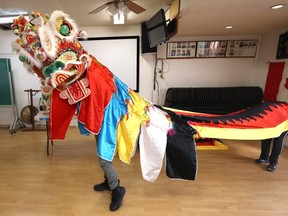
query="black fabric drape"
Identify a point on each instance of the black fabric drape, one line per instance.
(181, 157)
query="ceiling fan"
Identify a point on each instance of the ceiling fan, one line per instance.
(125, 5)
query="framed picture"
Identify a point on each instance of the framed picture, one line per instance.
(241, 48)
(282, 51)
(211, 49)
(183, 49)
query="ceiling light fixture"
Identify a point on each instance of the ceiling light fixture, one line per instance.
(118, 11)
(118, 19)
(277, 6)
(228, 27)
(9, 19)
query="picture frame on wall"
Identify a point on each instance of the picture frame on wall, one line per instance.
(282, 50)
(219, 49)
(183, 49)
(241, 48)
(211, 49)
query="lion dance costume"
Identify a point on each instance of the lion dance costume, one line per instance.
(75, 82)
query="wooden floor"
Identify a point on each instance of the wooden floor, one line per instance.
(228, 182)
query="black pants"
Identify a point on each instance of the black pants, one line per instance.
(276, 148)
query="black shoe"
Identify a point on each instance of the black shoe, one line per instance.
(102, 186)
(271, 167)
(261, 161)
(117, 198)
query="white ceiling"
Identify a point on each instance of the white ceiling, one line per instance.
(197, 17)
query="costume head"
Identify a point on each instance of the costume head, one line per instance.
(48, 47)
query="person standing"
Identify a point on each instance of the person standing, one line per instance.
(277, 147)
(111, 183)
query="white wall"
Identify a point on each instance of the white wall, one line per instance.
(267, 53)
(206, 72)
(22, 80)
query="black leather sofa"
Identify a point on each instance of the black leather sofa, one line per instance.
(213, 100)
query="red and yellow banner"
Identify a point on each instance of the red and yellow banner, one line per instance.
(262, 121)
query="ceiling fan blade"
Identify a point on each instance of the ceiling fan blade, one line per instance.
(102, 7)
(135, 7)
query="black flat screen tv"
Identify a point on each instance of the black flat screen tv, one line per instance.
(157, 29)
(145, 45)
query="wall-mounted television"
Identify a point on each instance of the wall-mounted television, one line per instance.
(157, 29)
(145, 45)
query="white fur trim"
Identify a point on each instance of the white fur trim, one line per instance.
(83, 34)
(30, 59)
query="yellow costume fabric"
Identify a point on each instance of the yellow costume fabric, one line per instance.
(129, 127)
